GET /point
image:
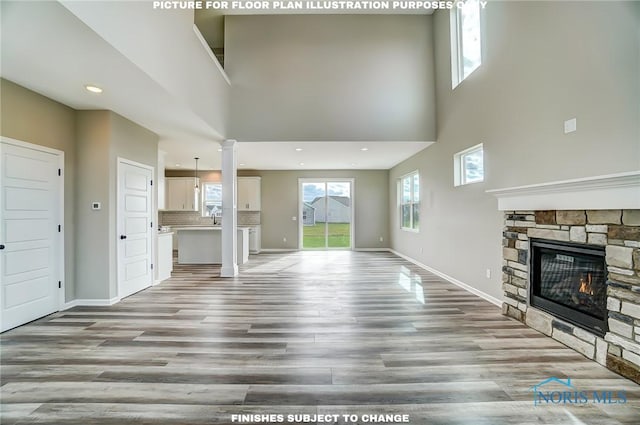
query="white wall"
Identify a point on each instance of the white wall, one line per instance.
(164, 46)
(330, 77)
(543, 63)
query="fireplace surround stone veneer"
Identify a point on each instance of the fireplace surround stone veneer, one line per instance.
(619, 232)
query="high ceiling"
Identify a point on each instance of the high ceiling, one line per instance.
(57, 54)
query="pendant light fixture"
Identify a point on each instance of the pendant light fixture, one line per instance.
(196, 187)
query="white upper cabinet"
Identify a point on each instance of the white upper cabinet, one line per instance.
(181, 195)
(248, 193)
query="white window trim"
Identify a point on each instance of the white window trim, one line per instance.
(457, 69)
(400, 190)
(202, 197)
(458, 169)
(454, 18)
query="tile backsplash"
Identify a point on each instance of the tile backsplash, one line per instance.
(174, 218)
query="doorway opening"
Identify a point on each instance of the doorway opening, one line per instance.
(326, 214)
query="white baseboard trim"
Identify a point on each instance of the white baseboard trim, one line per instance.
(69, 305)
(491, 299)
(90, 302)
(268, 250)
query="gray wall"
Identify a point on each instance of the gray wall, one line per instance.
(93, 234)
(135, 143)
(543, 63)
(279, 190)
(103, 136)
(30, 117)
(330, 77)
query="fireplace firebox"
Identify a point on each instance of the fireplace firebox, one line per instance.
(570, 281)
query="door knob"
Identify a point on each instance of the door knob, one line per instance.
(123, 236)
(1, 246)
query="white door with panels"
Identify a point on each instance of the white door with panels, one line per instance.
(135, 227)
(31, 241)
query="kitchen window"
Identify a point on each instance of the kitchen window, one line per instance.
(466, 46)
(409, 201)
(211, 199)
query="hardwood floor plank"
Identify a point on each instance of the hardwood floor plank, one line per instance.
(122, 392)
(441, 392)
(338, 332)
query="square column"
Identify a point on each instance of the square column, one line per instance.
(229, 210)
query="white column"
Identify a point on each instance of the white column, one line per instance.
(229, 210)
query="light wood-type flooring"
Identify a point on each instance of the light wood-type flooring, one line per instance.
(344, 333)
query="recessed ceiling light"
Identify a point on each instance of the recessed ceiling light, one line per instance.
(241, 164)
(177, 165)
(364, 149)
(219, 149)
(298, 149)
(93, 89)
(302, 163)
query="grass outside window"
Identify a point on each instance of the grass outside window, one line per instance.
(339, 235)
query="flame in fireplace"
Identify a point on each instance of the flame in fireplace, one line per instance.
(585, 285)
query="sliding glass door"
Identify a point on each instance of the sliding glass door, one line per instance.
(326, 213)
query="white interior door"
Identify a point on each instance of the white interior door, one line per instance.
(135, 230)
(32, 249)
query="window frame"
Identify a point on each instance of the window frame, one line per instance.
(414, 227)
(459, 169)
(457, 46)
(203, 201)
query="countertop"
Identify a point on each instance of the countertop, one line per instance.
(196, 227)
(201, 227)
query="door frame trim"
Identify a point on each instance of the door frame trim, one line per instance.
(119, 162)
(301, 181)
(61, 257)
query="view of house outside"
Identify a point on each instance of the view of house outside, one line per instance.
(326, 215)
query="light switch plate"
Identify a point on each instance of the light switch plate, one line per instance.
(96, 206)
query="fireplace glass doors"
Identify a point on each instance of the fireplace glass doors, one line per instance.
(569, 281)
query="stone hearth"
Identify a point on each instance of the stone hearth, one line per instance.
(619, 232)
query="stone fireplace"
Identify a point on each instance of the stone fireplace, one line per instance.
(574, 273)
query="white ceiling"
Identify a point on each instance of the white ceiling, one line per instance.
(48, 50)
(284, 156)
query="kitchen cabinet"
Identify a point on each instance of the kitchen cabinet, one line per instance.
(254, 239)
(203, 245)
(181, 195)
(248, 194)
(165, 255)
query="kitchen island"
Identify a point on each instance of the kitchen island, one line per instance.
(203, 244)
